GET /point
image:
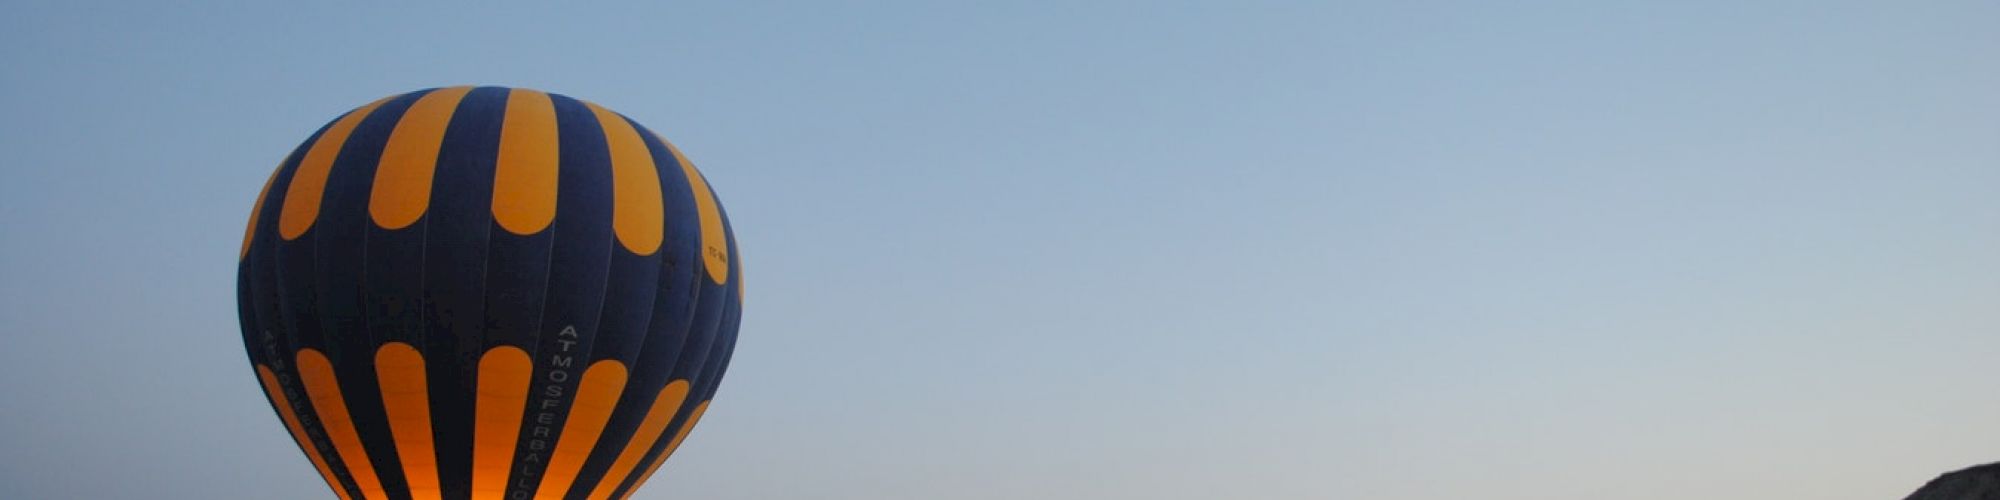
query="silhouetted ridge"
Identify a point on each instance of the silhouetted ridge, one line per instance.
(1975, 483)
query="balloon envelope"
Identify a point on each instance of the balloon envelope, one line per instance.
(487, 293)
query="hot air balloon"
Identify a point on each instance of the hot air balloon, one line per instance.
(487, 293)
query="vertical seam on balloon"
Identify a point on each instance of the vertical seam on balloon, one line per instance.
(291, 419)
(637, 207)
(555, 236)
(584, 352)
(625, 135)
(603, 285)
(485, 267)
(401, 191)
(250, 230)
(713, 347)
(324, 391)
(304, 195)
(287, 321)
(532, 345)
(679, 436)
(361, 287)
(707, 213)
(736, 259)
(405, 391)
(712, 382)
(735, 253)
(696, 293)
(519, 211)
(578, 439)
(654, 315)
(497, 447)
(658, 416)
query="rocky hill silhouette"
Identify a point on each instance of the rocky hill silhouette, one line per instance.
(1974, 483)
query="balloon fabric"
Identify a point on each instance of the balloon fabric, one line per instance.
(487, 293)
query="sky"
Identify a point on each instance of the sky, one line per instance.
(1108, 250)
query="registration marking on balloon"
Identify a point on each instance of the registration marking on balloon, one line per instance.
(550, 399)
(284, 391)
(551, 395)
(487, 293)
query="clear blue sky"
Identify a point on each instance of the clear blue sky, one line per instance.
(1110, 250)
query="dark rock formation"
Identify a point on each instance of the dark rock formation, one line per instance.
(1976, 483)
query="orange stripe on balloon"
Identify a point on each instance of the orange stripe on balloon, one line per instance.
(309, 180)
(505, 373)
(714, 246)
(524, 176)
(739, 269)
(596, 395)
(399, 369)
(675, 444)
(291, 419)
(637, 214)
(324, 391)
(402, 189)
(250, 230)
(662, 413)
